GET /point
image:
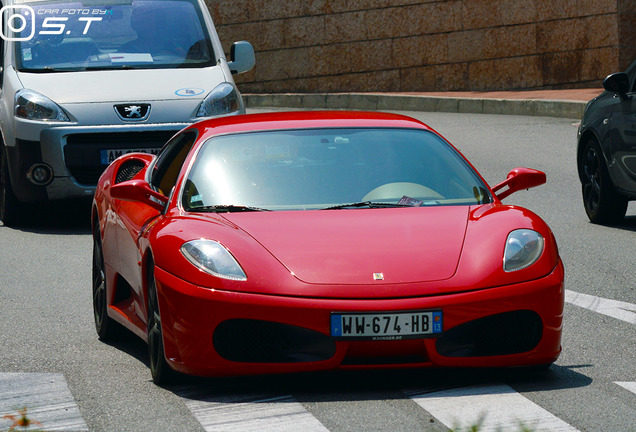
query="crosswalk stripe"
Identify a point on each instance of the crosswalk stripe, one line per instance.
(252, 412)
(631, 386)
(495, 407)
(46, 397)
(613, 308)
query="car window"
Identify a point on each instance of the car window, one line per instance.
(321, 168)
(113, 34)
(631, 74)
(170, 160)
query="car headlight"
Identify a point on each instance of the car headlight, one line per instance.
(213, 258)
(32, 105)
(224, 99)
(523, 248)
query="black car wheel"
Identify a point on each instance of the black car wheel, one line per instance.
(603, 204)
(161, 372)
(105, 326)
(10, 207)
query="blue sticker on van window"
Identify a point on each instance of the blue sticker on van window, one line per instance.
(189, 91)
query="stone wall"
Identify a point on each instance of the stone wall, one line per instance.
(428, 45)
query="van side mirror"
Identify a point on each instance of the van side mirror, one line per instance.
(242, 58)
(139, 191)
(518, 179)
(617, 83)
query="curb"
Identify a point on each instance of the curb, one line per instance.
(394, 102)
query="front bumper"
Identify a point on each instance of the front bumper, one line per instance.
(200, 323)
(73, 154)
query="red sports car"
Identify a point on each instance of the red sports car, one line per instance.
(306, 241)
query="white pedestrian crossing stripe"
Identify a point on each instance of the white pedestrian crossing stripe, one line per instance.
(491, 407)
(616, 309)
(46, 397)
(256, 412)
(631, 386)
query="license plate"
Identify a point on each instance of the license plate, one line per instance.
(386, 326)
(107, 156)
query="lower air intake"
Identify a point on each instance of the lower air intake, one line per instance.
(255, 341)
(501, 334)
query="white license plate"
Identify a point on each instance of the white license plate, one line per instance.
(107, 156)
(386, 326)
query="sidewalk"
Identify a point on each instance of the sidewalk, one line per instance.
(546, 103)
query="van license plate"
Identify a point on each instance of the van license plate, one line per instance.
(107, 156)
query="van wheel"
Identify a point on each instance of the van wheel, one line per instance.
(10, 207)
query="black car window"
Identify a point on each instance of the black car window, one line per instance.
(170, 160)
(631, 73)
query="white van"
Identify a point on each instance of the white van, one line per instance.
(86, 81)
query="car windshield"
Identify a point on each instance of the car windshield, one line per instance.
(329, 169)
(109, 34)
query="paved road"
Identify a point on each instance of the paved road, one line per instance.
(52, 363)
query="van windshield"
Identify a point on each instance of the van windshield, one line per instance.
(109, 34)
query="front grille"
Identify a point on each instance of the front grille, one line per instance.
(82, 152)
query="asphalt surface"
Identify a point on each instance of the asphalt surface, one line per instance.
(52, 363)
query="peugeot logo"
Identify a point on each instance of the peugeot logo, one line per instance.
(133, 112)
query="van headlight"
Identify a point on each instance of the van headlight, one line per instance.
(224, 99)
(523, 248)
(213, 258)
(32, 105)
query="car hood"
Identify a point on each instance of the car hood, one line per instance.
(137, 85)
(362, 246)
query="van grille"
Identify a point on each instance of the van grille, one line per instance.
(82, 152)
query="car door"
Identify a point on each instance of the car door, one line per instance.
(133, 217)
(622, 136)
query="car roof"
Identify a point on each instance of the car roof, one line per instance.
(304, 120)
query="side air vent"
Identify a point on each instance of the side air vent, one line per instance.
(128, 170)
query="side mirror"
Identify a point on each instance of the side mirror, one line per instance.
(242, 58)
(518, 179)
(139, 191)
(617, 83)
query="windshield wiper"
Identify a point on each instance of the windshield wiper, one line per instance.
(110, 67)
(226, 208)
(367, 204)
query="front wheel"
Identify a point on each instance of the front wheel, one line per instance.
(159, 368)
(105, 326)
(10, 207)
(603, 204)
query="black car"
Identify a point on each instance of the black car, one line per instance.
(606, 153)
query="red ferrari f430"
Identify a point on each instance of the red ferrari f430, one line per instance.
(306, 241)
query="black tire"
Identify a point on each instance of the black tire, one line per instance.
(160, 370)
(602, 203)
(106, 327)
(10, 207)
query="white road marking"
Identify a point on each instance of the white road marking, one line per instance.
(495, 407)
(255, 412)
(631, 386)
(46, 397)
(613, 308)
